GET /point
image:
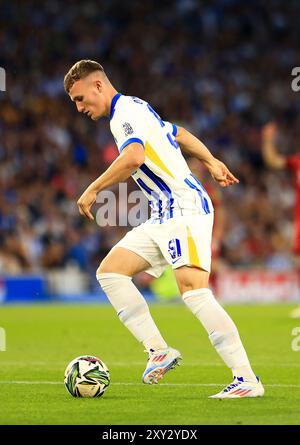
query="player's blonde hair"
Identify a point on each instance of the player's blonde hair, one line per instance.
(80, 70)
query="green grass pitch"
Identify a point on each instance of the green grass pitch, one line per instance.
(41, 340)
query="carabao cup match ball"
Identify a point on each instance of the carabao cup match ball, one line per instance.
(87, 376)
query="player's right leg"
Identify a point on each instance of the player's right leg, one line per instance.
(115, 277)
(187, 247)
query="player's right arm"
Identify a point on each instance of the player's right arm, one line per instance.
(195, 148)
(131, 158)
(272, 158)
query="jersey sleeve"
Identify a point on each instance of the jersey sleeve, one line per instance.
(128, 127)
(171, 127)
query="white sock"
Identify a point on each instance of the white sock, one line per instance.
(221, 330)
(132, 309)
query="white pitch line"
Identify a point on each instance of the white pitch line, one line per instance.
(56, 365)
(22, 382)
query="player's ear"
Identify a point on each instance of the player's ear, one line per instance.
(98, 85)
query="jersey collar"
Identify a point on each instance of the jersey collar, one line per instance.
(113, 104)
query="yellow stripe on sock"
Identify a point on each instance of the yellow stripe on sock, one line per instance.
(193, 254)
(153, 156)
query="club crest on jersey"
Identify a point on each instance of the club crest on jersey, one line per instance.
(174, 249)
(127, 128)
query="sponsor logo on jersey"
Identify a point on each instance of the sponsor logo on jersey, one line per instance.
(127, 128)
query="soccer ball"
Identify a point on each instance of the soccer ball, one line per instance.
(86, 376)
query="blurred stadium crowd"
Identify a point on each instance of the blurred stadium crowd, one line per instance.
(220, 68)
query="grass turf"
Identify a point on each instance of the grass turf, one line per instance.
(41, 340)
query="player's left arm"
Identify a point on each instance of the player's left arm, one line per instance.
(130, 159)
(194, 147)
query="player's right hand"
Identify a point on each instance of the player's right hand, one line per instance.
(85, 203)
(221, 173)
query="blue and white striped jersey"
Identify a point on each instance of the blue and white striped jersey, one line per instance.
(164, 177)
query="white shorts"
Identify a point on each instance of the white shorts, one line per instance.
(179, 241)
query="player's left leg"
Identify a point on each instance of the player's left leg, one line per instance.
(223, 334)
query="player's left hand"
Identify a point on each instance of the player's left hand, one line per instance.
(221, 173)
(85, 202)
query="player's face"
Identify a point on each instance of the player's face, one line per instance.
(89, 98)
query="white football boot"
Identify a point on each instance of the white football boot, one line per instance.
(241, 388)
(160, 362)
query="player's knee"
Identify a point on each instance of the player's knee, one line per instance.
(191, 278)
(105, 267)
(110, 281)
(187, 285)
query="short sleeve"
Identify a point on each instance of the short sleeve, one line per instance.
(127, 127)
(172, 129)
